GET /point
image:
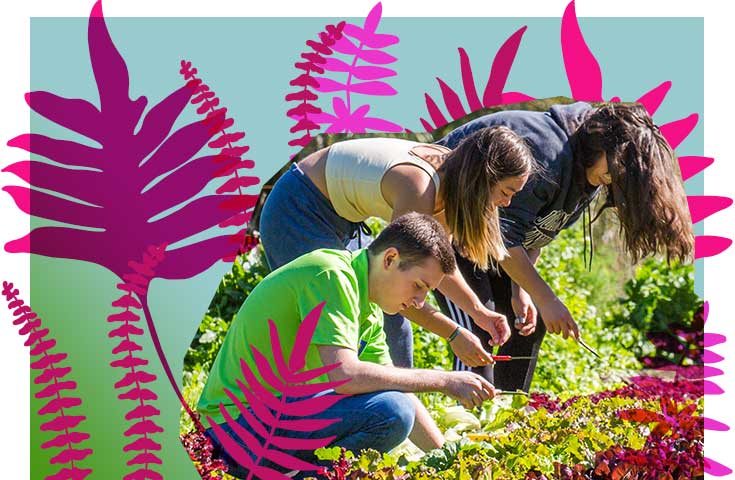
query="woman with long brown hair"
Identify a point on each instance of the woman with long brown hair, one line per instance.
(582, 151)
(323, 200)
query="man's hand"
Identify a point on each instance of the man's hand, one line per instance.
(493, 323)
(557, 318)
(468, 388)
(524, 308)
(468, 348)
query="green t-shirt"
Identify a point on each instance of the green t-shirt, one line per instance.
(287, 295)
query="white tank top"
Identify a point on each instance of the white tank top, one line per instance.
(355, 169)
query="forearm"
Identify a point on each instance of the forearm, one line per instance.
(431, 319)
(456, 289)
(366, 377)
(425, 434)
(533, 256)
(520, 268)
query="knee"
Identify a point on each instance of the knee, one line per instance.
(399, 413)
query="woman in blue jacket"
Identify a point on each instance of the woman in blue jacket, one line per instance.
(582, 151)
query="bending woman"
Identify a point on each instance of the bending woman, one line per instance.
(582, 151)
(323, 199)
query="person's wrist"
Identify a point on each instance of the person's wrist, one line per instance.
(454, 334)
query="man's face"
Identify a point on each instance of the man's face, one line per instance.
(402, 289)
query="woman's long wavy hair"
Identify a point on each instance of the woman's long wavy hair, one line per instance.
(471, 171)
(647, 190)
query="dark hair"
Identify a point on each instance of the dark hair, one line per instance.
(471, 171)
(417, 237)
(647, 189)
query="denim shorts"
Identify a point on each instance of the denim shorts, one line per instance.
(297, 219)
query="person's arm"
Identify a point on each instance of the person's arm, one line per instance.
(409, 189)
(555, 314)
(470, 389)
(522, 303)
(425, 434)
(466, 346)
(455, 288)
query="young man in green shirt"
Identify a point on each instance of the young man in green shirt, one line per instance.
(409, 258)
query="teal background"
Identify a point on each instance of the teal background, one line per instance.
(248, 63)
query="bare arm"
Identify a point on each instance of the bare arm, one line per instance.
(555, 314)
(409, 189)
(425, 434)
(366, 377)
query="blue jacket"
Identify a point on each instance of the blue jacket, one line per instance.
(553, 199)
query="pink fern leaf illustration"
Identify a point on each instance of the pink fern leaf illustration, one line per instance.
(59, 391)
(314, 61)
(229, 160)
(114, 203)
(492, 94)
(135, 378)
(277, 406)
(358, 44)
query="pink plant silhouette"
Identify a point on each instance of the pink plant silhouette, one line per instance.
(290, 380)
(117, 197)
(362, 44)
(136, 282)
(313, 63)
(492, 94)
(230, 162)
(55, 377)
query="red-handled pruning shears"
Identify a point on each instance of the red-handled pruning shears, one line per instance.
(507, 358)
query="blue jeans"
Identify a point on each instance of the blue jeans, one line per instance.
(297, 219)
(378, 420)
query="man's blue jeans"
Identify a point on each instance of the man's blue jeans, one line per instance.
(379, 420)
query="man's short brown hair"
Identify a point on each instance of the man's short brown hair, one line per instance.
(417, 237)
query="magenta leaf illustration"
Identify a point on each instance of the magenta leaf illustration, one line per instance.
(492, 94)
(59, 391)
(133, 383)
(583, 71)
(285, 392)
(314, 61)
(114, 197)
(363, 48)
(229, 160)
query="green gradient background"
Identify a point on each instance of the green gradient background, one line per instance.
(248, 63)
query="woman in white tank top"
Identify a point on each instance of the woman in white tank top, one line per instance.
(387, 177)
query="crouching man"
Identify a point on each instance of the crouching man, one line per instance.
(409, 258)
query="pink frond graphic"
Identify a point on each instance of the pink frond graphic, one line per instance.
(711, 424)
(716, 469)
(451, 100)
(216, 118)
(492, 94)
(278, 405)
(711, 388)
(59, 407)
(675, 132)
(713, 339)
(583, 71)
(135, 377)
(500, 69)
(691, 166)
(358, 44)
(710, 245)
(303, 337)
(468, 81)
(711, 357)
(702, 207)
(653, 99)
